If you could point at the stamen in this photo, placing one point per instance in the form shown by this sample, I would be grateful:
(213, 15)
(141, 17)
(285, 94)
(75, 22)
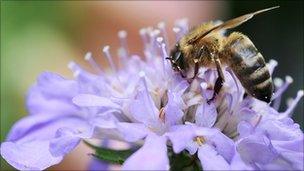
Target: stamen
(282, 88)
(177, 32)
(153, 43)
(106, 51)
(75, 68)
(271, 65)
(278, 82)
(204, 87)
(164, 54)
(183, 25)
(88, 57)
(162, 115)
(293, 104)
(142, 76)
(200, 140)
(122, 35)
(159, 39)
(143, 35)
(162, 27)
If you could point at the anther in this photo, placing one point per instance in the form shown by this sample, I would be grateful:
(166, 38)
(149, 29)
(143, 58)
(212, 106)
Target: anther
(200, 140)
(271, 65)
(106, 51)
(159, 39)
(123, 50)
(88, 57)
(293, 104)
(122, 35)
(283, 87)
(74, 68)
(143, 35)
(278, 82)
(177, 32)
(183, 24)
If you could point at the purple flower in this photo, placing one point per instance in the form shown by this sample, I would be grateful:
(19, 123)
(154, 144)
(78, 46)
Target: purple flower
(151, 106)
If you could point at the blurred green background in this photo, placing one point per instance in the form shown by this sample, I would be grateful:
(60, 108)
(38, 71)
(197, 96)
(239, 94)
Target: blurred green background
(39, 36)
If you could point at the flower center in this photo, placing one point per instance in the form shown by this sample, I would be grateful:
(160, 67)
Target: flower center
(162, 114)
(200, 140)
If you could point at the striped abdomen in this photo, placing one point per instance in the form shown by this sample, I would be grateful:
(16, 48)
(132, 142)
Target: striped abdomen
(249, 66)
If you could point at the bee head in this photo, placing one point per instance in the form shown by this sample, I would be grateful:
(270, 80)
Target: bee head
(177, 59)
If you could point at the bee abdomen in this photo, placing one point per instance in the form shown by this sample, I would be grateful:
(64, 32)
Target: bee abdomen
(249, 66)
(254, 73)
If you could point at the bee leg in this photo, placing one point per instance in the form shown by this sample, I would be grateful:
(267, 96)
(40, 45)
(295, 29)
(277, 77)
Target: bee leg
(219, 81)
(196, 67)
(181, 72)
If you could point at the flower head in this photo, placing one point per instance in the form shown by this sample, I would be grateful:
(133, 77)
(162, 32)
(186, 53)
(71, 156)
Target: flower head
(152, 106)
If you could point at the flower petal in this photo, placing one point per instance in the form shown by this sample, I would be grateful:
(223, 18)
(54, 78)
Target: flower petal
(278, 130)
(28, 144)
(34, 155)
(238, 164)
(173, 112)
(29, 124)
(223, 145)
(39, 103)
(206, 115)
(181, 136)
(48, 82)
(42, 98)
(89, 100)
(65, 141)
(211, 160)
(256, 149)
(244, 128)
(151, 156)
(96, 164)
(143, 109)
(132, 131)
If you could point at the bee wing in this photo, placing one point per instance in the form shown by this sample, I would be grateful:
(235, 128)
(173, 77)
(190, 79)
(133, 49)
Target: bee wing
(231, 23)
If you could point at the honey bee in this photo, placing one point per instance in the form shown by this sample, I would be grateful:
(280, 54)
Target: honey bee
(206, 46)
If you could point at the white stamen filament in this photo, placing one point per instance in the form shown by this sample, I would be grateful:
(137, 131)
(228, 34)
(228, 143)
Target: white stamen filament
(177, 32)
(281, 86)
(278, 82)
(162, 27)
(164, 54)
(153, 43)
(142, 76)
(293, 104)
(74, 68)
(122, 35)
(204, 87)
(106, 51)
(282, 89)
(88, 57)
(183, 25)
(271, 65)
(143, 35)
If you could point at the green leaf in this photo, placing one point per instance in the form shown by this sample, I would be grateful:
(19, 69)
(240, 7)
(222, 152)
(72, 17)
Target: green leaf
(183, 161)
(110, 155)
